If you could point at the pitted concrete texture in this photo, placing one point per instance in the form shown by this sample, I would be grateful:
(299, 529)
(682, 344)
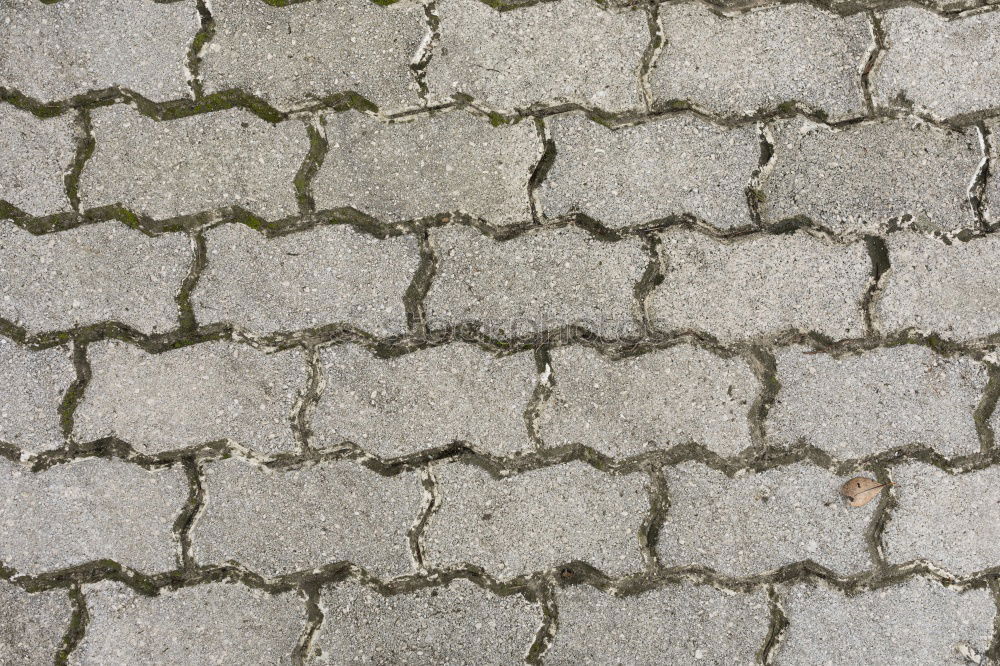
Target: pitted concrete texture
(947, 519)
(573, 52)
(761, 522)
(34, 385)
(230, 624)
(757, 61)
(773, 284)
(91, 275)
(80, 47)
(278, 522)
(940, 287)
(90, 510)
(32, 624)
(870, 403)
(571, 512)
(678, 166)
(677, 624)
(936, 65)
(459, 623)
(499, 332)
(536, 282)
(311, 279)
(191, 396)
(178, 167)
(919, 621)
(654, 401)
(431, 397)
(452, 162)
(303, 54)
(38, 152)
(867, 175)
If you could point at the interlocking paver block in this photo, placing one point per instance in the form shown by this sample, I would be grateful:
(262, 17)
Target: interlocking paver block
(205, 162)
(761, 522)
(281, 521)
(212, 623)
(33, 386)
(653, 401)
(192, 395)
(760, 286)
(855, 406)
(32, 625)
(91, 274)
(57, 50)
(755, 62)
(944, 67)
(537, 520)
(460, 623)
(444, 163)
(862, 176)
(675, 624)
(323, 276)
(37, 154)
(424, 399)
(300, 54)
(676, 166)
(86, 510)
(919, 621)
(535, 281)
(948, 519)
(947, 289)
(572, 51)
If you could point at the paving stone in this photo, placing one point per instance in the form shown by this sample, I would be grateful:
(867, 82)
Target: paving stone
(444, 163)
(423, 399)
(32, 625)
(206, 162)
(458, 623)
(761, 522)
(862, 405)
(918, 621)
(860, 177)
(572, 51)
(936, 288)
(676, 624)
(760, 286)
(91, 274)
(53, 51)
(193, 395)
(535, 281)
(670, 167)
(280, 522)
(945, 518)
(33, 386)
(936, 65)
(296, 55)
(537, 520)
(757, 61)
(653, 401)
(323, 276)
(213, 623)
(38, 153)
(87, 510)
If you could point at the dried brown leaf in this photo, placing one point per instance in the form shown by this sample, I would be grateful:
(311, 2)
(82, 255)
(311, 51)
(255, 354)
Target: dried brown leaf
(860, 490)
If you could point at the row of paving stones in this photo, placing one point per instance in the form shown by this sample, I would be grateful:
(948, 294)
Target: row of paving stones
(280, 521)
(573, 51)
(463, 623)
(751, 288)
(856, 178)
(849, 405)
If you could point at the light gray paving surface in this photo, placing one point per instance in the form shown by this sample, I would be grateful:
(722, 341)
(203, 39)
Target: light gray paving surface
(754, 62)
(464, 332)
